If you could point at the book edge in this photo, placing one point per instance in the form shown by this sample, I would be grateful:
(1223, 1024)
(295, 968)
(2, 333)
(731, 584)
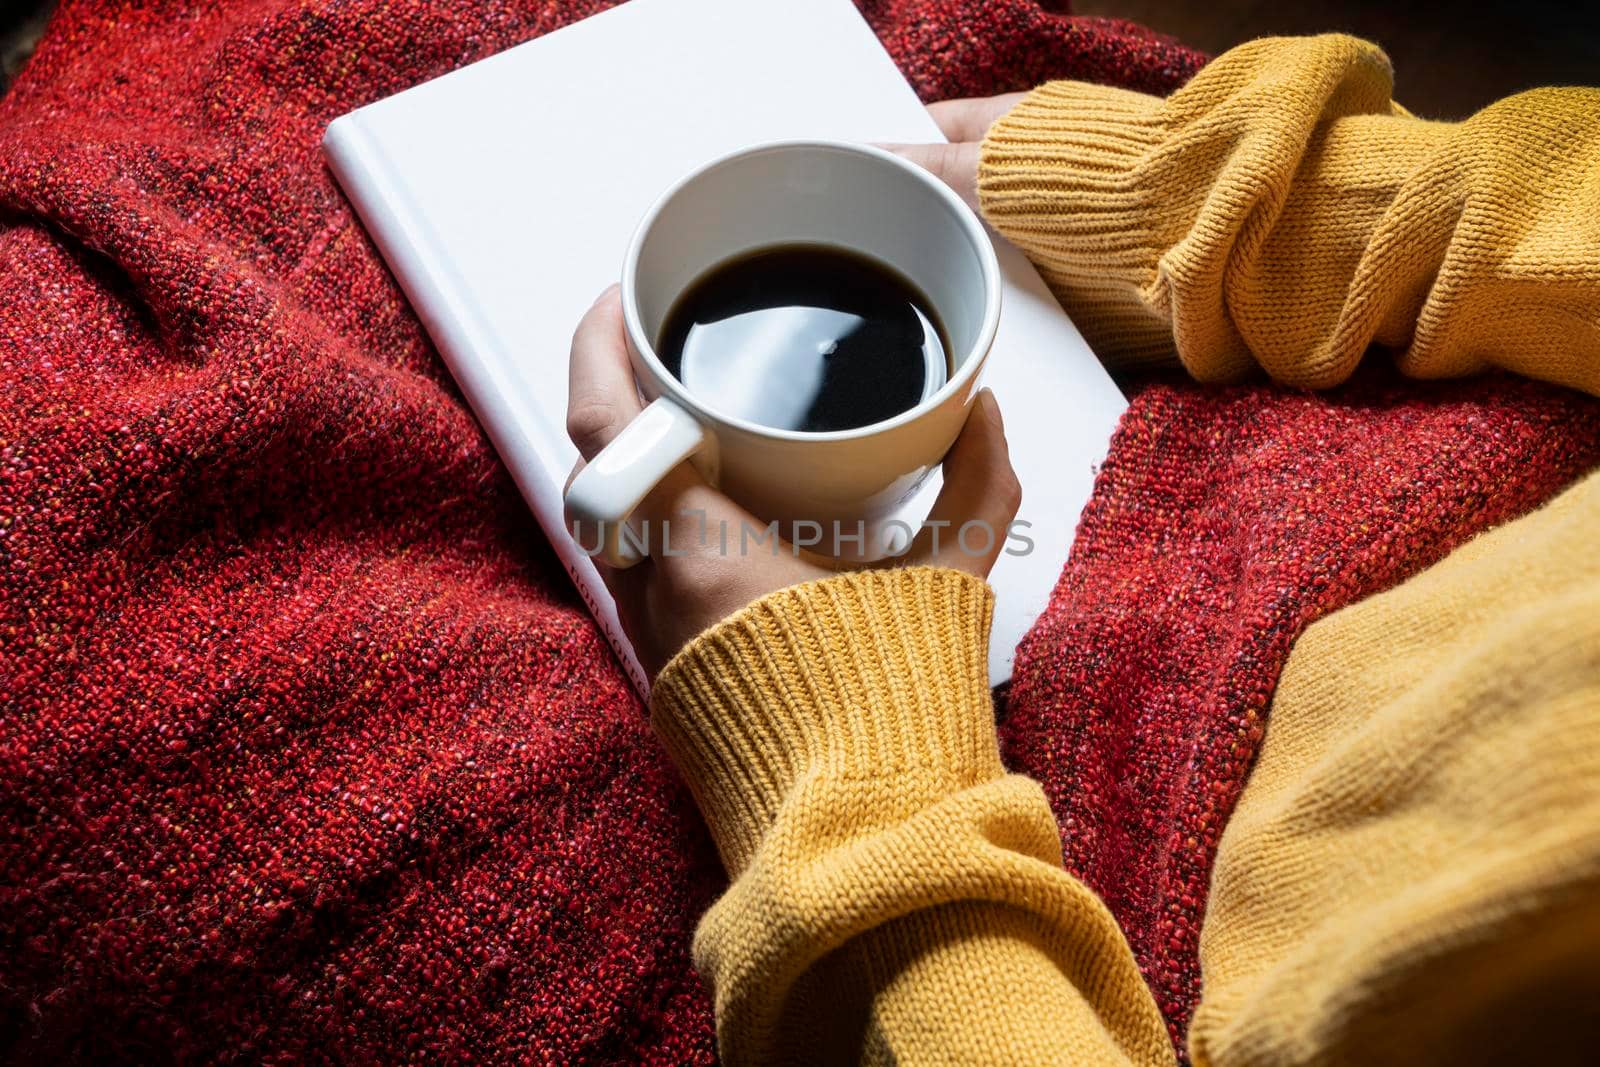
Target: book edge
(416, 261)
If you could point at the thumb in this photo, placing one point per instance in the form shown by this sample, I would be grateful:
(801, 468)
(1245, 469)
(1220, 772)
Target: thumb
(967, 528)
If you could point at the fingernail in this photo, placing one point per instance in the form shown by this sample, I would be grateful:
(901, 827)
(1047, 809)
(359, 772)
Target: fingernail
(987, 398)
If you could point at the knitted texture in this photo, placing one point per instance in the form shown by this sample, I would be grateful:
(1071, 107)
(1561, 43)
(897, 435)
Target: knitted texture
(307, 748)
(1225, 521)
(912, 643)
(1413, 873)
(1281, 211)
(898, 898)
(1278, 212)
(1412, 868)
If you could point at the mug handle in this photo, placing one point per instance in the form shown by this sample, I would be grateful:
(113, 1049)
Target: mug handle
(611, 486)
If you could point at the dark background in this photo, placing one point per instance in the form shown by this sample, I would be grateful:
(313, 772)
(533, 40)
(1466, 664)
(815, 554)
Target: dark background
(20, 23)
(1450, 59)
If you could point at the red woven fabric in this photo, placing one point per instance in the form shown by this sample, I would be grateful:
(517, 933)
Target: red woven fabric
(307, 748)
(1223, 523)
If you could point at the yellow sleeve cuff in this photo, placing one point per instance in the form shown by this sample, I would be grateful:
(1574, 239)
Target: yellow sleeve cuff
(1060, 178)
(860, 675)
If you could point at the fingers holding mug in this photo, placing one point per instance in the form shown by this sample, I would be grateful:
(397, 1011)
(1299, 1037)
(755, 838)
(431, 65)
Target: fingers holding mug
(601, 397)
(604, 411)
(753, 411)
(970, 520)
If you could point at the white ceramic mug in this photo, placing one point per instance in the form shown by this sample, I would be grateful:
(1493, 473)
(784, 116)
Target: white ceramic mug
(825, 193)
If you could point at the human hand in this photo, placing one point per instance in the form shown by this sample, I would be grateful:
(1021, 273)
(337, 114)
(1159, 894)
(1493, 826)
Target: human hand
(689, 580)
(964, 124)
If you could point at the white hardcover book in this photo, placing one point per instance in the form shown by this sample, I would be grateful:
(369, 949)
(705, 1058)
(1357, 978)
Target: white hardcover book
(502, 196)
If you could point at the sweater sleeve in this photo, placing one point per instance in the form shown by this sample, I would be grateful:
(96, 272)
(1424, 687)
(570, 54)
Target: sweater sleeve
(897, 897)
(1282, 211)
(1412, 874)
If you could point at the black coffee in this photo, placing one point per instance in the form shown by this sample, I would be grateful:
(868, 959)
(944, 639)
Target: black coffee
(804, 337)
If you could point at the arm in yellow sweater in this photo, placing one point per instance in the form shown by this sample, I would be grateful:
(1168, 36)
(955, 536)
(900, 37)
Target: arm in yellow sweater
(1281, 210)
(1412, 874)
(1412, 870)
(897, 897)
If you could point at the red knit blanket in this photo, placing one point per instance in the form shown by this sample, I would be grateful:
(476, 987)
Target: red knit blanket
(308, 749)
(1223, 523)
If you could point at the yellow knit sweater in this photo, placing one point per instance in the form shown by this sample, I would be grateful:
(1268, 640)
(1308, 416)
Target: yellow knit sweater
(1280, 209)
(1413, 871)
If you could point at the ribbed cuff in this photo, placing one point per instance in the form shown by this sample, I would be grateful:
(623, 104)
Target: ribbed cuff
(1061, 179)
(855, 676)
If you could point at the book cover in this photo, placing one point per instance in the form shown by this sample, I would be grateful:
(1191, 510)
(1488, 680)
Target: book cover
(502, 196)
